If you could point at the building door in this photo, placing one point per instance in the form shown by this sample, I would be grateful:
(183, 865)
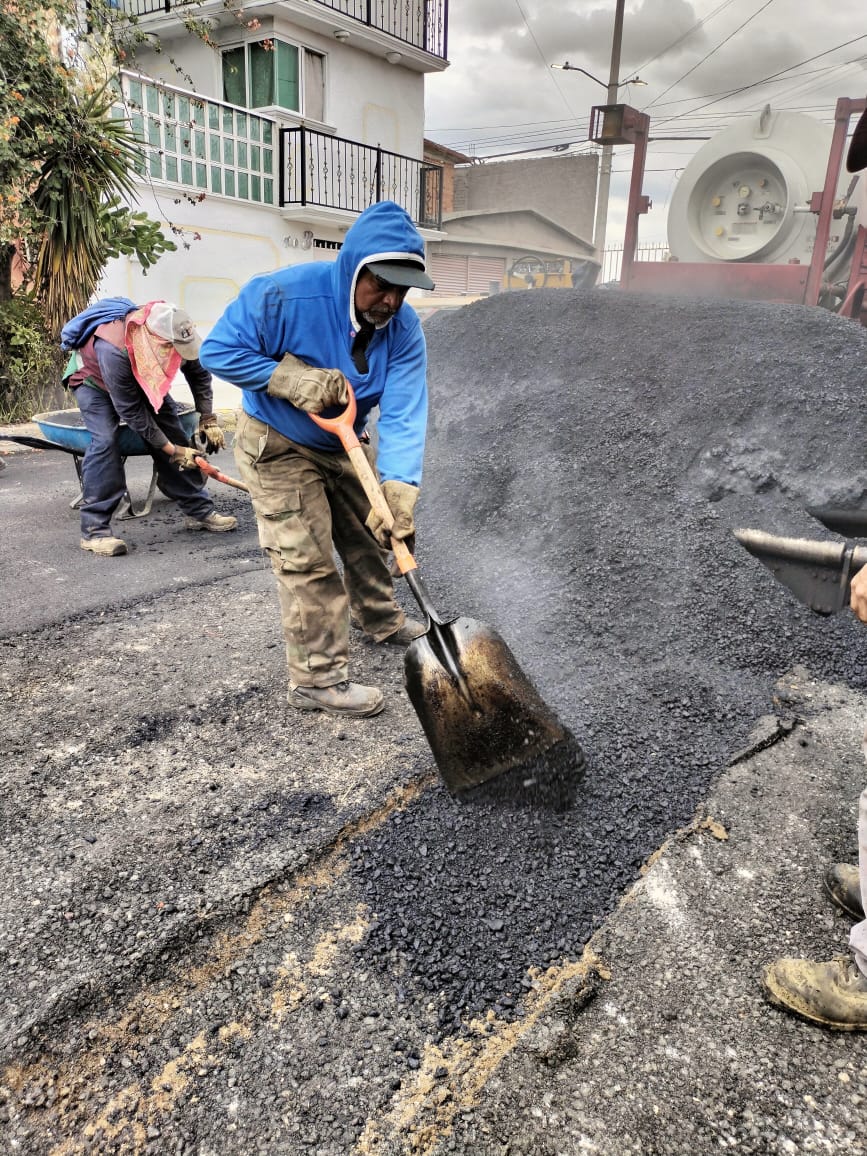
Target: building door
(483, 271)
(449, 275)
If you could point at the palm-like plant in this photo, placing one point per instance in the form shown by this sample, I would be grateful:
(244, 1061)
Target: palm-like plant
(92, 158)
(67, 165)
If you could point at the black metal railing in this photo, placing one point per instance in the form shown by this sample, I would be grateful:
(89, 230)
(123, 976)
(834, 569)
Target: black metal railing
(330, 172)
(422, 24)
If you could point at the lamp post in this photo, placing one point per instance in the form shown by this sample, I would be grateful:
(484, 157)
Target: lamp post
(604, 186)
(567, 67)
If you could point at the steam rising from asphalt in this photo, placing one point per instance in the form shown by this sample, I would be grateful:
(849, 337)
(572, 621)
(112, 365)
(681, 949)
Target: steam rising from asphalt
(590, 453)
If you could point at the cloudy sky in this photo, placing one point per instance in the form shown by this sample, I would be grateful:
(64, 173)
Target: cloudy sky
(707, 63)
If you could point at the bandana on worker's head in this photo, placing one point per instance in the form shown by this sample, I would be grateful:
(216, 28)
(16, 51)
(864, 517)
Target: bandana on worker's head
(159, 336)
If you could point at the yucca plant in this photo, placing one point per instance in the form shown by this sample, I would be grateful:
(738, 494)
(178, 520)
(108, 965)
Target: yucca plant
(67, 165)
(91, 160)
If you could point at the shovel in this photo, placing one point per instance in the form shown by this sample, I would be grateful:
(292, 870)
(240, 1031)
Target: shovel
(841, 520)
(817, 573)
(218, 476)
(480, 713)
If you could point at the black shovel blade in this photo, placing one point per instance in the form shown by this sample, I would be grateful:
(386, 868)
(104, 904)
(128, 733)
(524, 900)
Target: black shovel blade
(817, 573)
(480, 713)
(852, 523)
(37, 443)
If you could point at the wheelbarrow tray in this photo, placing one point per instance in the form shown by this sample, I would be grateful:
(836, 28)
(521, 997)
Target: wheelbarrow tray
(66, 428)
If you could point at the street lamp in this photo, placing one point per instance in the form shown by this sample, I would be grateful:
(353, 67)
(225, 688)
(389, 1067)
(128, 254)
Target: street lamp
(607, 150)
(567, 67)
(604, 185)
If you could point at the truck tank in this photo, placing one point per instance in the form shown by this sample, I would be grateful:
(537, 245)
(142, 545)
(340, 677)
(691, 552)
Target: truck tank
(744, 196)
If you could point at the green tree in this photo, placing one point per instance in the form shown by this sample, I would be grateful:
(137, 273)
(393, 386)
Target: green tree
(66, 164)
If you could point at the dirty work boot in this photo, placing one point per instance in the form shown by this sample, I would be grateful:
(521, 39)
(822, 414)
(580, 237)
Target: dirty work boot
(347, 698)
(832, 994)
(108, 547)
(404, 635)
(216, 523)
(843, 885)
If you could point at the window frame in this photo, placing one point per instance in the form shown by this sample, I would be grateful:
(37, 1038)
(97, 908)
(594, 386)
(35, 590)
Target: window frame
(246, 47)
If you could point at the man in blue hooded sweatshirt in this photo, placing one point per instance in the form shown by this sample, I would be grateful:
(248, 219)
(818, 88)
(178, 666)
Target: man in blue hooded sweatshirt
(290, 340)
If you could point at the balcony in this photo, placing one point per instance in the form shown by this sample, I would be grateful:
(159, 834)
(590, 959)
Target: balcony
(205, 146)
(333, 173)
(422, 24)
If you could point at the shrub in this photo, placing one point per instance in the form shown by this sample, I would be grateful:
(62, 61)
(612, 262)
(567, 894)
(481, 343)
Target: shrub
(31, 362)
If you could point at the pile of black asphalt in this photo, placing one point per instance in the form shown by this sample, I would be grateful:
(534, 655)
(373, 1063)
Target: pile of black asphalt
(229, 927)
(590, 454)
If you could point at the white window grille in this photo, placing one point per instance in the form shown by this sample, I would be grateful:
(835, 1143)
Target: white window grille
(204, 145)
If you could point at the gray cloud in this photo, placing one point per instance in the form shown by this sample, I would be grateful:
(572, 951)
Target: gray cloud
(702, 70)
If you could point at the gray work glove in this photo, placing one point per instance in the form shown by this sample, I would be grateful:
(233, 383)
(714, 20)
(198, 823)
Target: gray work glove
(305, 387)
(401, 498)
(211, 432)
(184, 458)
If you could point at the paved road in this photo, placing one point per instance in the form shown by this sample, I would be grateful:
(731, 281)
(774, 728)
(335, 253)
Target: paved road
(192, 935)
(46, 577)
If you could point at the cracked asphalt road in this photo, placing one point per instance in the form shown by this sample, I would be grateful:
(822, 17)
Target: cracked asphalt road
(228, 929)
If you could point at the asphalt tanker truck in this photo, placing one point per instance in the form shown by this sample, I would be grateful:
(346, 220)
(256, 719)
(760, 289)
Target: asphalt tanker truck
(765, 210)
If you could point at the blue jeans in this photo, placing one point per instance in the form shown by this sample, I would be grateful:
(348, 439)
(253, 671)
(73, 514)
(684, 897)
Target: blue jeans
(103, 479)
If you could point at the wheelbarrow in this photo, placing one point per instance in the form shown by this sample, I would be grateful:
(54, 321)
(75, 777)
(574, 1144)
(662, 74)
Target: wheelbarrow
(64, 430)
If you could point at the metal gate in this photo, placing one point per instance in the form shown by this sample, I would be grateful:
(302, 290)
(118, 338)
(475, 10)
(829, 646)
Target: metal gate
(460, 276)
(449, 275)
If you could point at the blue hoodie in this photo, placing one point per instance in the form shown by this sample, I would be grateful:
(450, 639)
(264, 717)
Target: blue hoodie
(308, 310)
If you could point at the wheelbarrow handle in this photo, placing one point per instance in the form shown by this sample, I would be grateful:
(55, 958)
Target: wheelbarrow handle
(343, 427)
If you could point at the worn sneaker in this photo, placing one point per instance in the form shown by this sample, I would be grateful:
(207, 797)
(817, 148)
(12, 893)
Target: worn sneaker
(216, 523)
(405, 634)
(843, 885)
(832, 994)
(347, 698)
(107, 547)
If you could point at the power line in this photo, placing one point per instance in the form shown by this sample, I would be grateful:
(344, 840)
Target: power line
(707, 122)
(768, 79)
(686, 35)
(708, 55)
(543, 58)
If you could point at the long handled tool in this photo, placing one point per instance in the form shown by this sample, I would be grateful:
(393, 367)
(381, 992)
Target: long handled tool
(817, 573)
(480, 713)
(39, 443)
(841, 520)
(212, 472)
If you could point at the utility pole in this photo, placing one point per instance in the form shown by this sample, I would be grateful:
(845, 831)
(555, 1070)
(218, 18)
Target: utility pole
(604, 184)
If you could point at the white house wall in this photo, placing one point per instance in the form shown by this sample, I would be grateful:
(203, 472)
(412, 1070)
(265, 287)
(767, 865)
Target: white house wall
(227, 242)
(223, 242)
(366, 98)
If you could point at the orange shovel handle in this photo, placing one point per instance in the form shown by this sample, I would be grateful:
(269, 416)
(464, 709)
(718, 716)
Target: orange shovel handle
(342, 427)
(212, 472)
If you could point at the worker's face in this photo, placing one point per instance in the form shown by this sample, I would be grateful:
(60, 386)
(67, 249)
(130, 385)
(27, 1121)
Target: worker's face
(376, 300)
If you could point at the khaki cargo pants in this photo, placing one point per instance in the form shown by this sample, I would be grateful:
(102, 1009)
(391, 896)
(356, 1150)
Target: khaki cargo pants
(309, 504)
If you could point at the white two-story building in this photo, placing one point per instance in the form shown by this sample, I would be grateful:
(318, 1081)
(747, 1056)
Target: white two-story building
(264, 145)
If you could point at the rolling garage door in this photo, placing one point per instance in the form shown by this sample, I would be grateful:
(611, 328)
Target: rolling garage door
(449, 275)
(481, 271)
(454, 276)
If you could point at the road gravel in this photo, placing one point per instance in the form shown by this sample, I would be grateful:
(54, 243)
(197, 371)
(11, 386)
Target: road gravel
(231, 928)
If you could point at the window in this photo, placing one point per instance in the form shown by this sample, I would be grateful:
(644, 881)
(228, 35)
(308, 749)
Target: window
(263, 74)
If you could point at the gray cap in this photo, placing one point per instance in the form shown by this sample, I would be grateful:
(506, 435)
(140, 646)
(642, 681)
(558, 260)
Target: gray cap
(403, 273)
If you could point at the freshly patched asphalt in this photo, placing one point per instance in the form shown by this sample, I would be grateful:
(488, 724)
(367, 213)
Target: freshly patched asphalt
(232, 928)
